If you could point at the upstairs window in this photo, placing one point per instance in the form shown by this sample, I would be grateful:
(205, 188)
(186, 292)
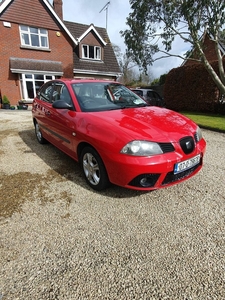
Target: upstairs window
(34, 37)
(91, 52)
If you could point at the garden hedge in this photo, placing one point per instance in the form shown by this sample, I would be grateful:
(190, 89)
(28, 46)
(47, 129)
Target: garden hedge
(190, 88)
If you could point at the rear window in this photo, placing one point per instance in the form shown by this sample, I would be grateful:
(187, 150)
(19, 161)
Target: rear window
(138, 92)
(150, 94)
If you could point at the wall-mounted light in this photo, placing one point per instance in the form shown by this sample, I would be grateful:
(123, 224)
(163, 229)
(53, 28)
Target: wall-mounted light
(58, 33)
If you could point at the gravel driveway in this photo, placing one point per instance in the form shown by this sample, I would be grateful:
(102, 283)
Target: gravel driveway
(61, 240)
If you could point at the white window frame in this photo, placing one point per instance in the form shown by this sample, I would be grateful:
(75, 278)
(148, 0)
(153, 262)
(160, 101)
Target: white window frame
(33, 81)
(26, 36)
(96, 50)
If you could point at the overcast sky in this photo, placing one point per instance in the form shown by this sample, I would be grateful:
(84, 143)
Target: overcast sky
(88, 12)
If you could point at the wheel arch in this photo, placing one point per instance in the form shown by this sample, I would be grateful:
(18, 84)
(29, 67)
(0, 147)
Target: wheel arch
(80, 148)
(93, 166)
(34, 121)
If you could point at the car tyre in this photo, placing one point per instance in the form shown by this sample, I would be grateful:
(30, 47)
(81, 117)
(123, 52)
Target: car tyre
(38, 134)
(94, 170)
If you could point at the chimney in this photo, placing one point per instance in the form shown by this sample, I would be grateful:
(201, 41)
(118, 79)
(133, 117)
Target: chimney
(58, 7)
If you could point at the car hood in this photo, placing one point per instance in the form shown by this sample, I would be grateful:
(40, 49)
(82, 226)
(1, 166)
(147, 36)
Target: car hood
(149, 123)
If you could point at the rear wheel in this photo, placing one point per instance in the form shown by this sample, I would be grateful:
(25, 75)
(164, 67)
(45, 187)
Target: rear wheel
(38, 134)
(94, 169)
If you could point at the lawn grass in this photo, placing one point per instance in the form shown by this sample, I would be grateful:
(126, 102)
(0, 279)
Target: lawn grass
(208, 121)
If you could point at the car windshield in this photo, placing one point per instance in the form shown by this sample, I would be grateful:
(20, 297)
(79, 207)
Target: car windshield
(103, 96)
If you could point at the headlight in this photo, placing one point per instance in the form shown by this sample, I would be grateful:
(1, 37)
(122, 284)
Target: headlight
(141, 148)
(198, 134)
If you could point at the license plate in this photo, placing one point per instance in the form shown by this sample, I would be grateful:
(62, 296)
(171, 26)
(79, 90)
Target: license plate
(187, 164)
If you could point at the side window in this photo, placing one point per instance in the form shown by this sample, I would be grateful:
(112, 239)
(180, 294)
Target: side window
(46, 92)
(61, 92)
(150, 94)
(65, 95)
(139, 93)
(56, 91)
(157, 96)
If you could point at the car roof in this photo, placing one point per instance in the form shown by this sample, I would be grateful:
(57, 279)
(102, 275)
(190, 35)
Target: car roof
(74, 80)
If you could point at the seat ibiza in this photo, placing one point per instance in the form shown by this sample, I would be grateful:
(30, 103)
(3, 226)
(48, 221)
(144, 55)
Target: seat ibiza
(116, 136)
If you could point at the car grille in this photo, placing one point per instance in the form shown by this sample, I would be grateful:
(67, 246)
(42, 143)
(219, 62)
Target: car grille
(196, 137)
(187, 144)
(166, 147)
(171, 177)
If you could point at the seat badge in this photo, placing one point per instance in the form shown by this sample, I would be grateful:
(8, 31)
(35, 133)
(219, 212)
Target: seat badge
(188, 145)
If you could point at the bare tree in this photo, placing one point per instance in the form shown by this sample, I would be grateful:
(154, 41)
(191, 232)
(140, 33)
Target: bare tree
(126, 64)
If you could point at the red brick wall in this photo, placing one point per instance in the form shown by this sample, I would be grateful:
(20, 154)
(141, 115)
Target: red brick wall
(61, 48)
(209, 50)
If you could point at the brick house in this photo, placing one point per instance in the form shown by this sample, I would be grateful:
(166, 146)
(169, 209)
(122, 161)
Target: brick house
(94, 42)
(33, 51)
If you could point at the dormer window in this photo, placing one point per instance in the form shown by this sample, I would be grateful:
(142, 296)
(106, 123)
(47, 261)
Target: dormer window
(91, 52)
(34, 37)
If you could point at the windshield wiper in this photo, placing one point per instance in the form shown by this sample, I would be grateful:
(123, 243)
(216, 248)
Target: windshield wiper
(129, 105)
(123, 105)
(142, 104)
(119, 107)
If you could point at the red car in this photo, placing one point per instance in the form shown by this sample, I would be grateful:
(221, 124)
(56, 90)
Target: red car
(116, 136)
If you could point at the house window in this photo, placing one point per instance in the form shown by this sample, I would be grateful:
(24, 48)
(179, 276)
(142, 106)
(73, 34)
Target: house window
(31, 83)
(91, 52)
(34, 37)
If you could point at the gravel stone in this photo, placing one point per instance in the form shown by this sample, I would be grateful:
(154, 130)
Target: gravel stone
(61, 240)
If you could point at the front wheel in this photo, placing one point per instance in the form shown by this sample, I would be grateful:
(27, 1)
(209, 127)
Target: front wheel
(94, 169)
(38, 134)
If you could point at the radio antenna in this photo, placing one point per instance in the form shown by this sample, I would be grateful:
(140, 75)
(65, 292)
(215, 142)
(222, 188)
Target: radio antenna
(106, 11)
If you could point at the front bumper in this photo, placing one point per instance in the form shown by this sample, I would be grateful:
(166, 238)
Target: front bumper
(150, 173)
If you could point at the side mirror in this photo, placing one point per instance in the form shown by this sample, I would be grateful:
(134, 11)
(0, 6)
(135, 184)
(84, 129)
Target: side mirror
(61, 104)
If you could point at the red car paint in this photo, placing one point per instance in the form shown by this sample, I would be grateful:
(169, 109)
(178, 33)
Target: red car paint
(109, 130)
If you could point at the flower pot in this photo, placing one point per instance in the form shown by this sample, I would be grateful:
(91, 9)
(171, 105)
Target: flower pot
(5, 106)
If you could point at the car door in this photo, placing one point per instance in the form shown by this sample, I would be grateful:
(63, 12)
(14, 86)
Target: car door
(62, 122)
(42, 108)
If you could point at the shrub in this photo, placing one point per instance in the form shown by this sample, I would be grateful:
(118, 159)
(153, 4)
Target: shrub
(5, 100)
(191, 88)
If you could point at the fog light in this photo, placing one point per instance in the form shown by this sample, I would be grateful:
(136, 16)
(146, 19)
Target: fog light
(145, 180)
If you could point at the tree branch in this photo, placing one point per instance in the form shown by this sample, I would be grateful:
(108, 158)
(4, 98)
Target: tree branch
(174, 55)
